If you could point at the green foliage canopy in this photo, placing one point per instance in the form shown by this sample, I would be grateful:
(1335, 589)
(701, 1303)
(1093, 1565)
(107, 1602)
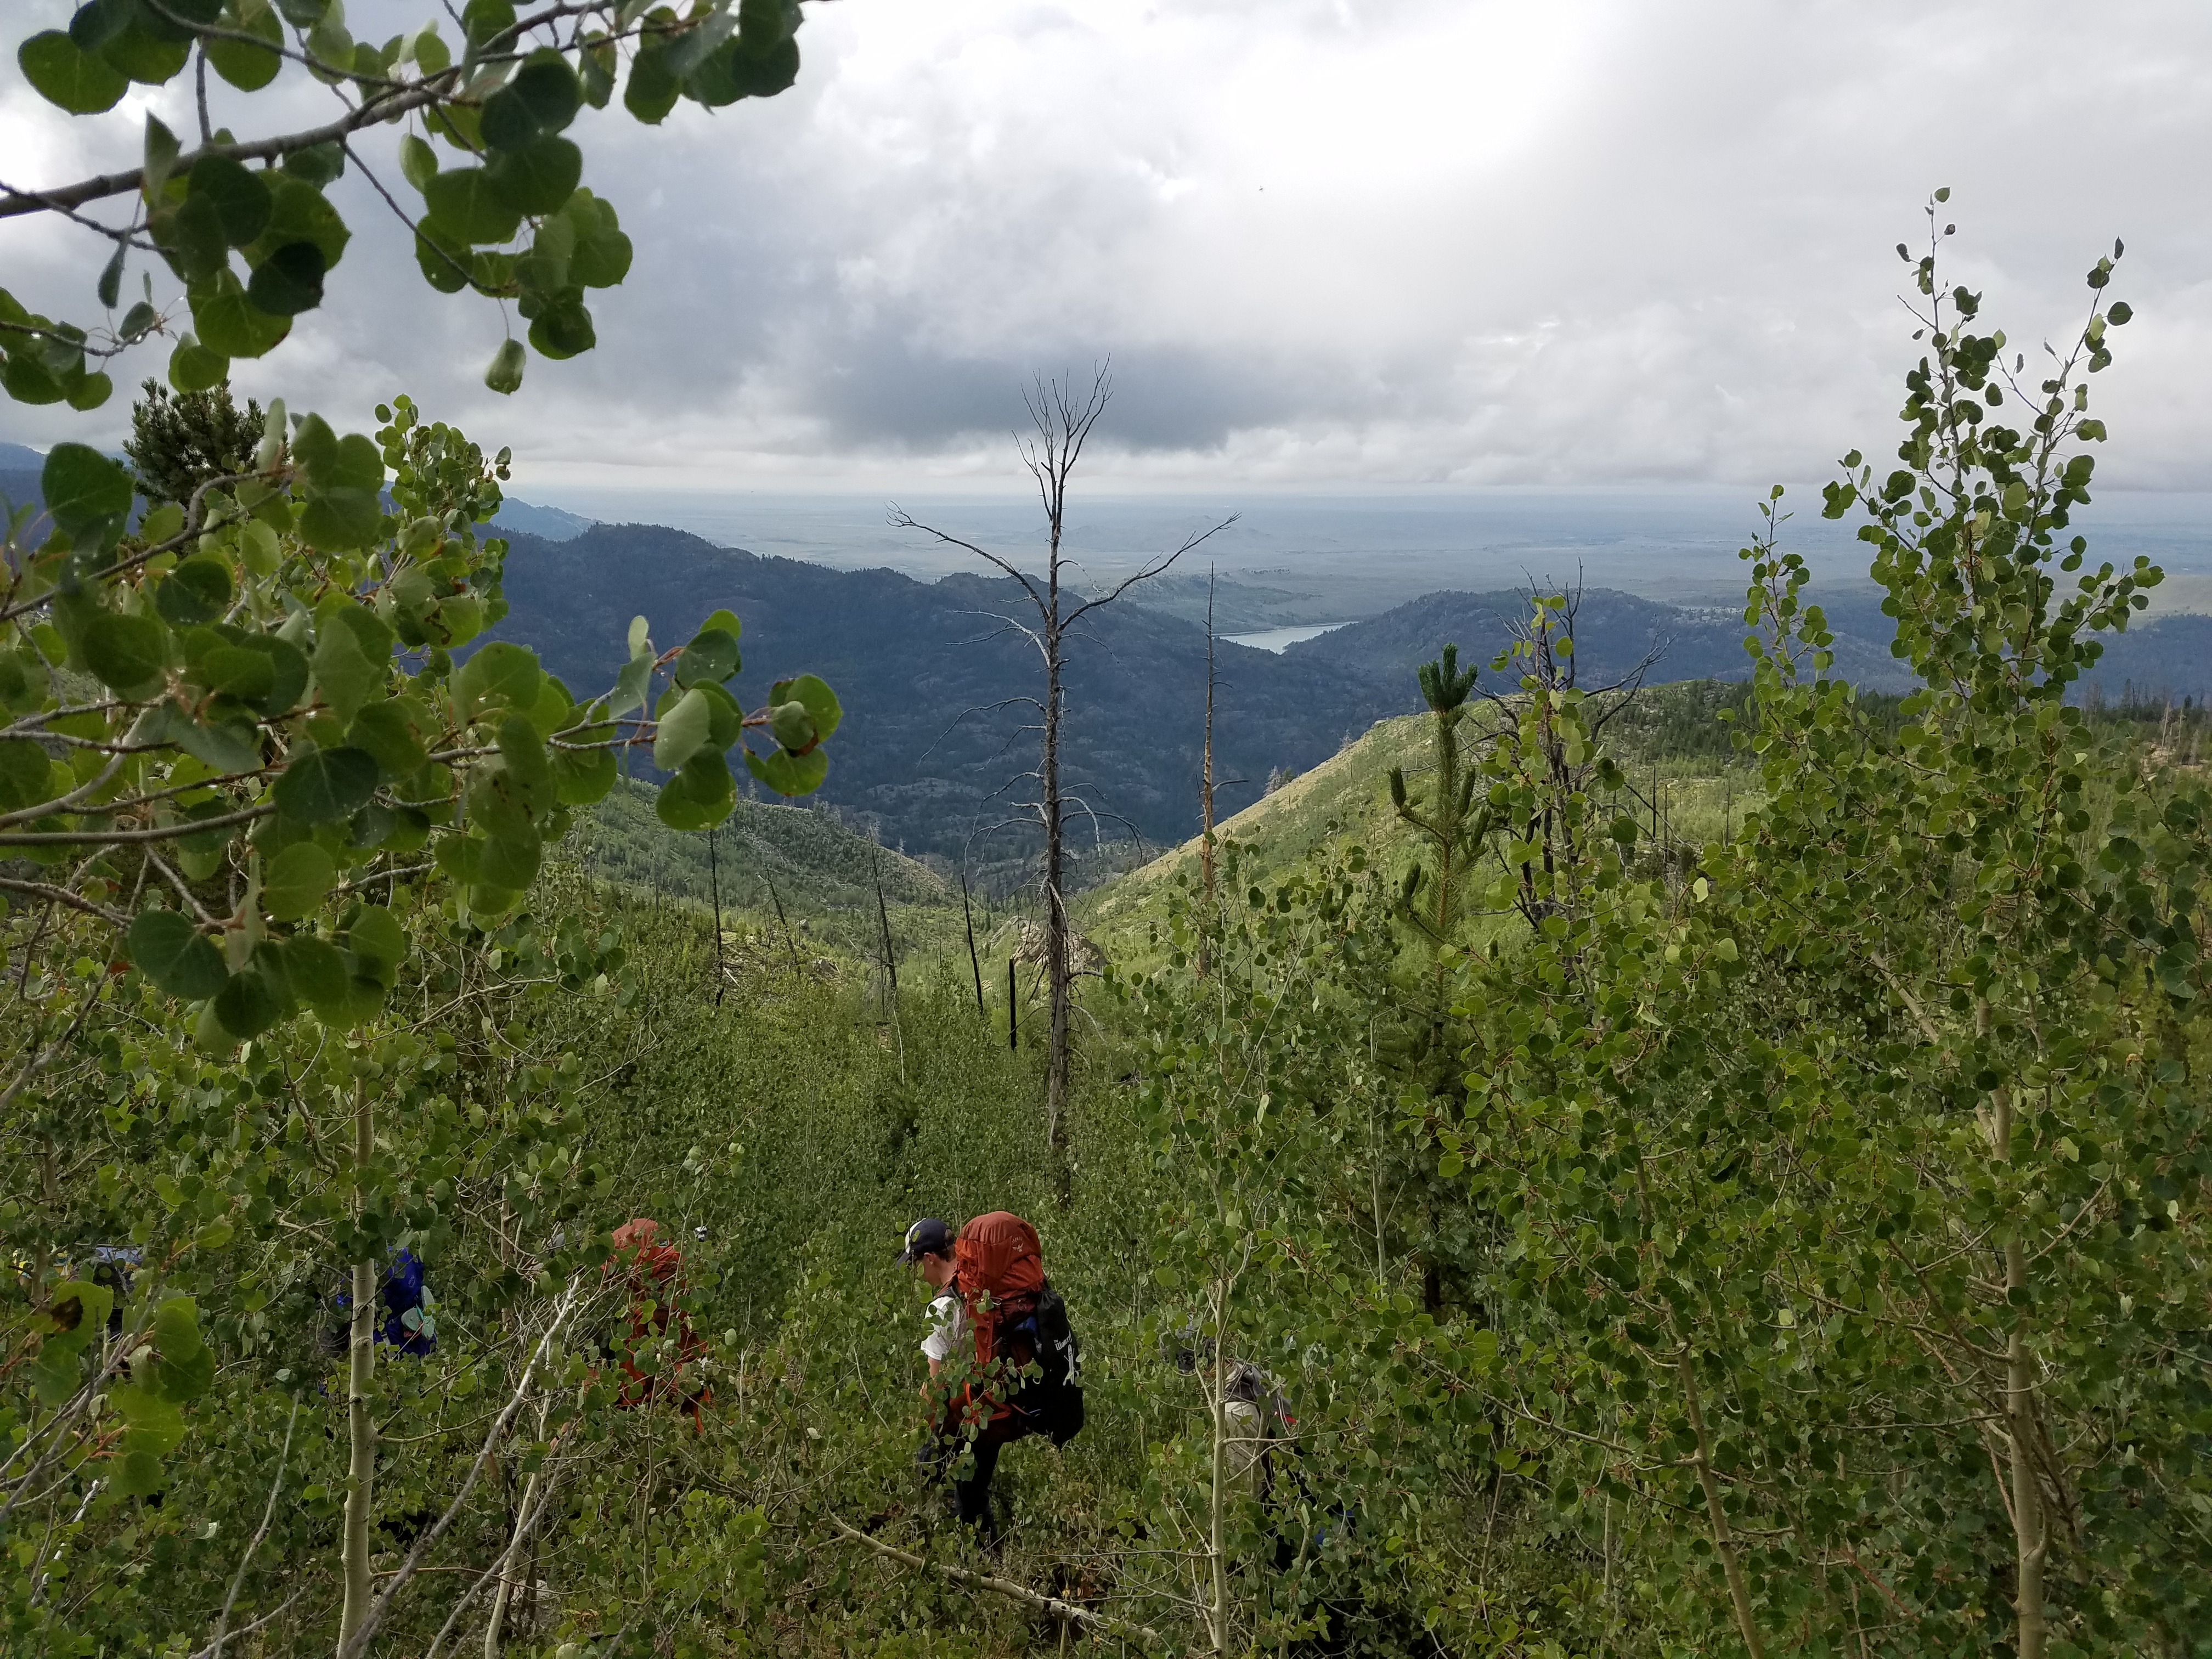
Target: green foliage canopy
(244, 227)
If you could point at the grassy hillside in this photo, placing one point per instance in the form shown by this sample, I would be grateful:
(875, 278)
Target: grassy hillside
(1670, 741)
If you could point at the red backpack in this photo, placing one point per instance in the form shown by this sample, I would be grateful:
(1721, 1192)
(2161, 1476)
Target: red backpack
(999, 1268)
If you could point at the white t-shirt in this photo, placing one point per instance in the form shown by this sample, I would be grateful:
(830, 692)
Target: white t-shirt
(948, 1319)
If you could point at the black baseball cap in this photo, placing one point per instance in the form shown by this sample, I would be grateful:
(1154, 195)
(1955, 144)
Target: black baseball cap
(928, 1236)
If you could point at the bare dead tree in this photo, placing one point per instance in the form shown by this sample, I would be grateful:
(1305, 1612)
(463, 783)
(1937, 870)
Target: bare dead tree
(1062, 419)
(1206, 784)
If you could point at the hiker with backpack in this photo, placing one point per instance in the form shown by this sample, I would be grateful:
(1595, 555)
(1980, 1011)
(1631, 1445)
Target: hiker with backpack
(1000, 1340)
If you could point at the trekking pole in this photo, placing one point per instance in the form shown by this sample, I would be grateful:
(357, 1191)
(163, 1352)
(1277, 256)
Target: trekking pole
(1013, 1012)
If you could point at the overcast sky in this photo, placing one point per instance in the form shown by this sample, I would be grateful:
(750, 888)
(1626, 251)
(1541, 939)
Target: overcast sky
(1327, 243)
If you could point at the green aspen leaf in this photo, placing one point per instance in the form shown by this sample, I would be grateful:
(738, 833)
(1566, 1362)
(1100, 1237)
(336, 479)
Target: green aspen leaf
(457, 619)
(498, 673)
(161, 151)
(229, 323)
(88, 495)
(288, 679)
(541, 100)
(727, 721)
(466, 206)
(94, 390)
(163, 523)
(375, 938)
(459, 857)
(314, 166)
(175, 955)
(248, 1004)
(682, 731)
(596, 65)
(248, 67)
(193, 367)
(742, 69)
(227, 746)
(821, 703)
(344, 477)
(387, 730)
(712, 656)
(326, 784)
(631, 684)
(552, 709)
(241, 202)
(76, 1312)
(155, 1425)
(344, 676)
(601, 256)
(653, 88)
(111, 277)
(143, 55)
(457, 125)
(190, 235)
(139, 1474)
(236, 671)
(197, 590)
(505, 374)
(788, 773)
(482, 18)
(763, 23)
(69, 77)
(186, 1367)
(316, 970)
(370, 631)
(699, 796)
(300, 212)
(543, 272)
(127, 653)
(792, 727)
(445, 263)
(510, 863)
(289, 282)
(727, 620)
(418, 162)
(524, 750)
(563, 329)
(584, 776)
(296, 880)
(506, 800)
(24, 770)
(431, 52)
(539, 178)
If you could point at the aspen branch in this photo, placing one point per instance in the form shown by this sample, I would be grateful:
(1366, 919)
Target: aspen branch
(1007, 1587)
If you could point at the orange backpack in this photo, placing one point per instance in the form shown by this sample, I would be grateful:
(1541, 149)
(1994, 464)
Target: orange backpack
(999, 1268)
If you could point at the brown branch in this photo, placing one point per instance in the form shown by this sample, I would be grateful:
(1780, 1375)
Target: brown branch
(1007, 1587)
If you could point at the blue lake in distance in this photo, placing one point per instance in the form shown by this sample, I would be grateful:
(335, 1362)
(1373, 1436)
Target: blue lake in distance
(1277, 640)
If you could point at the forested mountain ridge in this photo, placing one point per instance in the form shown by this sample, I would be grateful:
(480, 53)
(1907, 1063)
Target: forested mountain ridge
(1614, 631)
(931, 679)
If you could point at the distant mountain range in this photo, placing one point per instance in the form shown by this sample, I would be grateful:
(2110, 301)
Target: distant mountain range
(933, 682)
(933, 744)
(1615, 633)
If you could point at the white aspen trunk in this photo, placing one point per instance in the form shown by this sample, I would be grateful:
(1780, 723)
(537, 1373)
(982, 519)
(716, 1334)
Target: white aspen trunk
(361, 1425)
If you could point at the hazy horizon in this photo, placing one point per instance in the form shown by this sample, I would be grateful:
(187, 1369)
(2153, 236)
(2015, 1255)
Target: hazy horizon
(1335, 556)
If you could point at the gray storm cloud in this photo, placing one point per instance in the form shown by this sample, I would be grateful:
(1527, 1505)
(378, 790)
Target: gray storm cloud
(1420, 240)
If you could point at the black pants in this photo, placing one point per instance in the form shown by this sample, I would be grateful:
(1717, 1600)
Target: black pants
(972, 1493)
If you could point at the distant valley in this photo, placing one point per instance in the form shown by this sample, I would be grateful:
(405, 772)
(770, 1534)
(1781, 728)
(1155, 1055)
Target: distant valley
(934, 745)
